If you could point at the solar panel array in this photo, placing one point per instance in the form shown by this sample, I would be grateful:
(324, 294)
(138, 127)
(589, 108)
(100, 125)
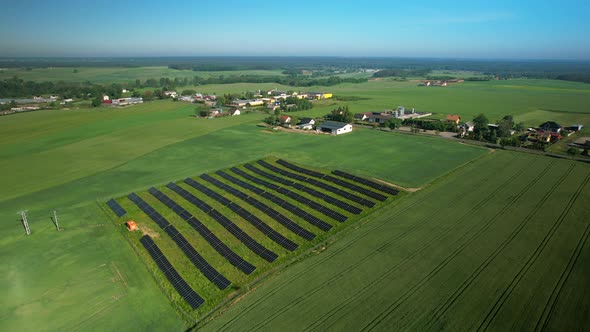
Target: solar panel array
(280, 218)
(314, 182)
(368, 183)
(187, 293)
(213, 240)
(236, 231)
(334, 180)
(312, 204)
(252, 219)
(119, 211)
(312, 192)
(276, 200)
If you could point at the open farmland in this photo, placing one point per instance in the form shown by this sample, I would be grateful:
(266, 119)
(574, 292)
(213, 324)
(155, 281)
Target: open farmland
(500, 244)
(87, 276)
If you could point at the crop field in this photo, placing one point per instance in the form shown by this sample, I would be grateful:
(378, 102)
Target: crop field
(500, 244)
(282, 213)
(116, 74)
(87, 277)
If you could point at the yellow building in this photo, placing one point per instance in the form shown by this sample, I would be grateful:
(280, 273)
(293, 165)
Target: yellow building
(327, 96)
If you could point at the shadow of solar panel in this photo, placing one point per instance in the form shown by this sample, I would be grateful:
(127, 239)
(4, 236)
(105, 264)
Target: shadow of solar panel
(368, 183)
(117, 209)
(213, 240)
(185, 291)
(236, 231)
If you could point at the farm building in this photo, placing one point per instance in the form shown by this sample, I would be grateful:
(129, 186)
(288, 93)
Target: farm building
(453, 118)
(575, 127)
(318, 95)
(234, 112)
(284, 119)
(131, 225)
(306, 123)
(550, 126)
(335, 128)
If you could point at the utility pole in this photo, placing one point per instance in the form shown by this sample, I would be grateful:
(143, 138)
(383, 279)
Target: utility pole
(23, 215)
(55, 219)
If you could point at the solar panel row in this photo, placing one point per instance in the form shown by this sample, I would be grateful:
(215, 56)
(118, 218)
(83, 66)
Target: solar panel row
(119, 211)
(312, 192)
(275, 199)
(312, 204)
(236, 231)
(187, 293)
(215, 242)
(280, 218)
(252, 219)
(372, 184)
(314, 182)
(334, 180)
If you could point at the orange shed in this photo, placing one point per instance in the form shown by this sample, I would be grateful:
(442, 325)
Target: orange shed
(131, 225)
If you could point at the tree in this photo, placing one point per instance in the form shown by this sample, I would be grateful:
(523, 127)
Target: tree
(341, 114)
(481, 126)
(573, 151)
(505, 126)
(96, 102)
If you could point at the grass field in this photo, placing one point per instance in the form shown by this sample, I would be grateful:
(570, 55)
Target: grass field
(500, 244)
(72, 276)
(451, 249)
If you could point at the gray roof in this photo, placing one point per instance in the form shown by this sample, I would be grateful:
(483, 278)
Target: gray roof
(332, 125)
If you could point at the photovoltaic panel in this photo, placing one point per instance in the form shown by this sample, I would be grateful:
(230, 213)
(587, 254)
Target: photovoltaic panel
(288, 223)
(314, 182)
(368, 183)
(312, 204)
(279, 201)
(213, 240)
(334, 180)
(312, 192)
(236, 231)
(147, 209)
(185, 291)
(117, 209)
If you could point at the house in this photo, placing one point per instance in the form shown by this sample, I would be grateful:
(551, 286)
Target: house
(214, 112)
(234, 112)
(239, 102)
(272, 107)
(105, 97)
(335, 128)
(124, 91)
(544, 136)
(284, 119)
(466, 128)
(172, 94)
(306, 123)
(362, 116)
(379, 117)
(550, 126)
(125, 101)
(453, 118)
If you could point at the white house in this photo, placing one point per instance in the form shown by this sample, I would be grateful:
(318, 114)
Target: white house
(306, 123)
(335, 128)
(170, 94)
(234, 112)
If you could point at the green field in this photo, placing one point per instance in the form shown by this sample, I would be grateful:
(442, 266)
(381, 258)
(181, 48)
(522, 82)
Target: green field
(497, 233)
(67, 160)
(500, 244)
(116, 74)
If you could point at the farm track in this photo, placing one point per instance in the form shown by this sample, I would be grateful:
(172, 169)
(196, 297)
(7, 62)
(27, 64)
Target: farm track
(524, 269)
(392, 307)
(319, 262)
(442, 309)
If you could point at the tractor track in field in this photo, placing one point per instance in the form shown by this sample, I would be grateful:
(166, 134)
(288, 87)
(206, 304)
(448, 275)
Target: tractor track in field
(328, 256)
(392, 307)
(556, 293)
(388, 244)
(531, 260)
(442, 309)
(407, 259)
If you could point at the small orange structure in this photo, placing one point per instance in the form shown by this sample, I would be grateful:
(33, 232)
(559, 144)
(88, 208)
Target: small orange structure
(131, 225)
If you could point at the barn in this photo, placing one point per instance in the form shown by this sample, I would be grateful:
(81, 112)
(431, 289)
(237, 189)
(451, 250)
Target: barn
(335, 128)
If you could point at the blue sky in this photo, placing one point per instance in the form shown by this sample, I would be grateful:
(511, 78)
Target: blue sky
(521, 29)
